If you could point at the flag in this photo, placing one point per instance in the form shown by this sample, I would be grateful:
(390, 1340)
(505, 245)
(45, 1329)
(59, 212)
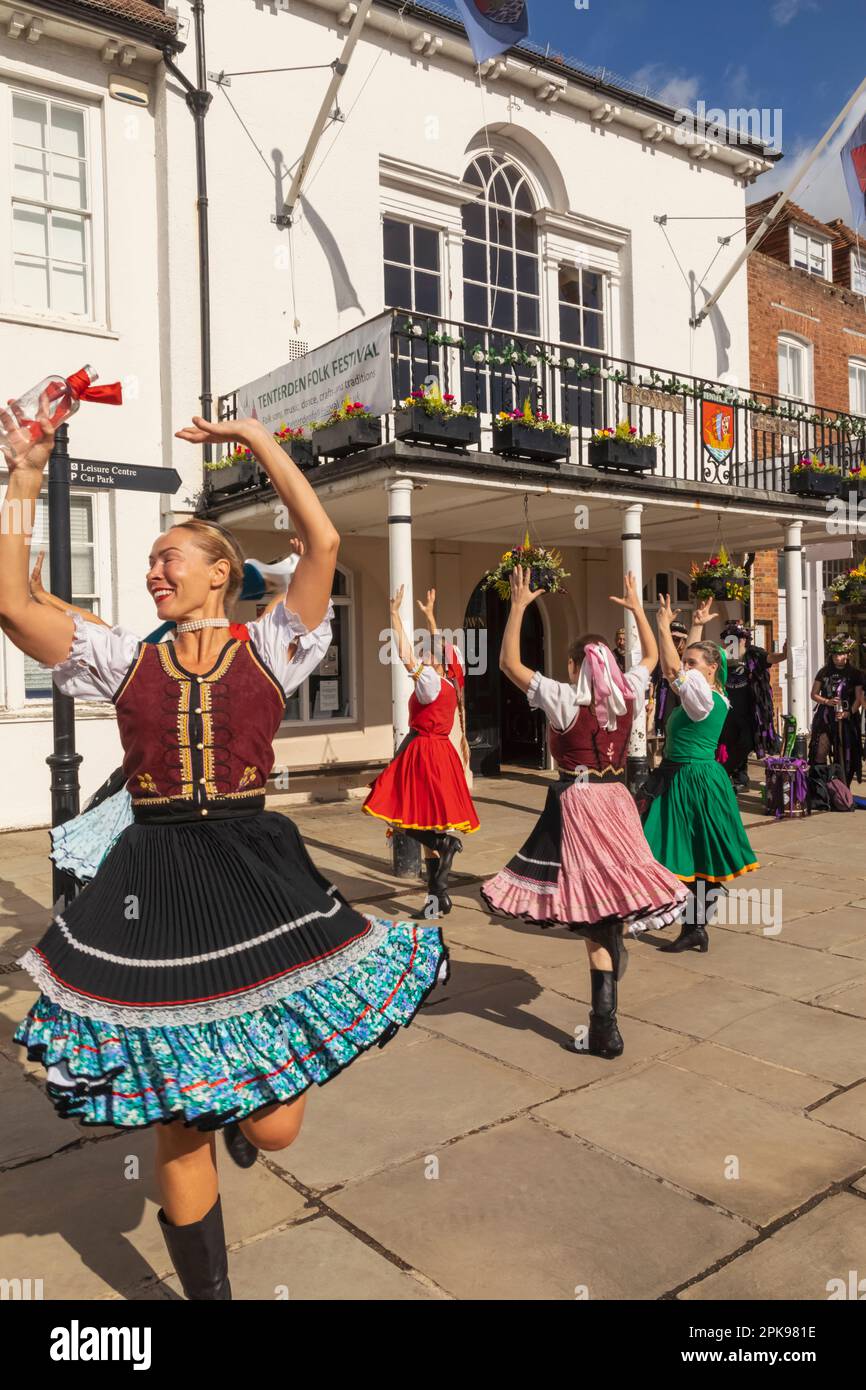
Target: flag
(854, 169)
(493, 25)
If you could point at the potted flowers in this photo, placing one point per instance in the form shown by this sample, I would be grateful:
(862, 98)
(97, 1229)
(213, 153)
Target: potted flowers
(719, 578)
(623, 448)
(856, 481)
(811, 477)
(545, 569)
(234, 472)
(523, 434)
(349, 428)
(293, 443)
(429, 417)
(850, 587)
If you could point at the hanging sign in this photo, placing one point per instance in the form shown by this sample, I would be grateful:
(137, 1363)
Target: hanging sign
(656, 400)
(357, 365)
(717, 420)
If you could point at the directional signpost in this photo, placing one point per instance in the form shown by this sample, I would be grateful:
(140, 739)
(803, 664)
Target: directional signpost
(64, 472)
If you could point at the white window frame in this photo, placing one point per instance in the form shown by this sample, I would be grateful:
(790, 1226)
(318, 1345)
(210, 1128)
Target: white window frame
(857, 368)
(858, 271)
(14, 702)
(686, 606)
(804, 347)
(306, 721)
(93, 110)
(812, 241)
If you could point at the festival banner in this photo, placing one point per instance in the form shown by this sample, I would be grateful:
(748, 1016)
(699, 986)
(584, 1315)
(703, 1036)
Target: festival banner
(718, 428)
(492, 26)
(357, 365)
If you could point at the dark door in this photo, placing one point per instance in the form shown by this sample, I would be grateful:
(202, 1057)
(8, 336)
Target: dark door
(500, 726)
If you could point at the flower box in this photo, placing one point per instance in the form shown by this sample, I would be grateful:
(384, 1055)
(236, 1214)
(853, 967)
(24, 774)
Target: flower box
(816, 482)
(235, 477)
(856, 486)
(513, 439)
(300, 451)
(451, 431)
(615, 454)
(349, 436)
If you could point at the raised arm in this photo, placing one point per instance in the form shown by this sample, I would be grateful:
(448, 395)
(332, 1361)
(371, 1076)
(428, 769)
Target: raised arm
(701, 616)
(776, 658)
(404, 646)
(671, 663)
(429, 611)
(509, 656)
(37, 629)
(631, 601)
(312, 580)
(43, 595)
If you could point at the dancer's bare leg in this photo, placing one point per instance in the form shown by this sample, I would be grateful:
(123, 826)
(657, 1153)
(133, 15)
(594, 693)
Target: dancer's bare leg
(277, 1126)
(186, 1172)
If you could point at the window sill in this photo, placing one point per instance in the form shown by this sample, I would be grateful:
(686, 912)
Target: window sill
(40, 712)
(92, 330)
(343, 721)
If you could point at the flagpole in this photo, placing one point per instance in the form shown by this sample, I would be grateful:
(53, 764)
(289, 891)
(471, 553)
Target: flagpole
(770, 217)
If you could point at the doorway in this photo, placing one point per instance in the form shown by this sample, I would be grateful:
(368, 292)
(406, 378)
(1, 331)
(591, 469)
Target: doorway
(500, 726)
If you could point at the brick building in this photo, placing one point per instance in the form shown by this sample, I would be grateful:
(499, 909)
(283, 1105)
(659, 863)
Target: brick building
(807, 342)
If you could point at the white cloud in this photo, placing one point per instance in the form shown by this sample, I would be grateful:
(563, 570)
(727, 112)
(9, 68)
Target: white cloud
(784, 11)
(676, 89)
(823, 191)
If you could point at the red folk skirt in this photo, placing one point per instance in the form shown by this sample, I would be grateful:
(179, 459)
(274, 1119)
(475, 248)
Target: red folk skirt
(424, 788)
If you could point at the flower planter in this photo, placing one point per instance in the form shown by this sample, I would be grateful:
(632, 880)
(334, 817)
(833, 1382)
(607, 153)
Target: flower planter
(716, 588)
(855, 485)
(813, 482)
(452, 432)
(236, 477)
(300, 451)
(512, 439)
(615, 455)
(347, 437)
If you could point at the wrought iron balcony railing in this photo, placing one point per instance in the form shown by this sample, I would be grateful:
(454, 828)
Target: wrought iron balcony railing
(709, 431)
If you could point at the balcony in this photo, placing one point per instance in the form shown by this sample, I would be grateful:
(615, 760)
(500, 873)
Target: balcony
(589, 391)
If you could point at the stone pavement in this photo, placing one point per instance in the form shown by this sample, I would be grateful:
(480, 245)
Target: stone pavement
(478, 1155)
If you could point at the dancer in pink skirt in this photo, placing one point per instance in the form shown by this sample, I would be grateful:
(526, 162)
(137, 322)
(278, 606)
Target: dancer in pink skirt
(587, 865)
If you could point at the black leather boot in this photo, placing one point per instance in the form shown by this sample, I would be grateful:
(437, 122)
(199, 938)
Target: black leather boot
(605, 1039)
(691, 938)
(446, 847)
(198, 1253)
(431, 903)
(240, 1150)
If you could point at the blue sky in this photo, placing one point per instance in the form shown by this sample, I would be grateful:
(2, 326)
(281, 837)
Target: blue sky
(804, 57)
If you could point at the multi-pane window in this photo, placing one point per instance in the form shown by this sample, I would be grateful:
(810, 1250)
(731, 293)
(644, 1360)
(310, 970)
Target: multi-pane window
(810, 253)
(793, 365)
(858, 272)
(857, 386)
(413, 280)
(501, 287)
(37, 679)
(50, 207)
(581, 325)
(327, 693)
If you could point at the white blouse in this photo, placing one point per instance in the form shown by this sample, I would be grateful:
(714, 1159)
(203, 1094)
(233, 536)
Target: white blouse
(428, 682)
(696, 694)
(101, 656)
(558, 699)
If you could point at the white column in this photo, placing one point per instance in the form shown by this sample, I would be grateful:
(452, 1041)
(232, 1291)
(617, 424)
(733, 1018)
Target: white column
(400, 572)
(632, 559)
(798, 677)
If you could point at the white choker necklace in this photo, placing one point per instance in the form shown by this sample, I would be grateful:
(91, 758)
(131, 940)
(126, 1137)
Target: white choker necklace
(196, 624)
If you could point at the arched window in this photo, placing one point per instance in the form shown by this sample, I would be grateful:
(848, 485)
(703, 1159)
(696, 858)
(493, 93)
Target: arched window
(677, 585)
(500, 250)
(328, 694)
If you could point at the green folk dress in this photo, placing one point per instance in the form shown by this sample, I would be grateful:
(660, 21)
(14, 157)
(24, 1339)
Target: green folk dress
(694, 827)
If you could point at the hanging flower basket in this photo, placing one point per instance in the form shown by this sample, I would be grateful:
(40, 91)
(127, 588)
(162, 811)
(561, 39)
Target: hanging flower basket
(810, 477)
(623, 450)
(545, 569)
(349, 429)
(524, 434)
(428, 417)
(850, 588)
(718, 578)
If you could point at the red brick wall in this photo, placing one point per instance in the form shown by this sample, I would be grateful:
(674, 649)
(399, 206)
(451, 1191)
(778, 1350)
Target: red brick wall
(765, 606)
(834, 308)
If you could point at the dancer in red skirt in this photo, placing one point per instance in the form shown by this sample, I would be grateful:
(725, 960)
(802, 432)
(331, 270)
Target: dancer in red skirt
(587, 865)
(423, 789)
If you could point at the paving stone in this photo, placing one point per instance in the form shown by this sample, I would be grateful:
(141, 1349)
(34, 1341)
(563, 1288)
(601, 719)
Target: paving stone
(476, 1229)
(407, 1100)
(30, 1126)
(823, 930)
(688, 1128)
(700, 1010)
(800, 1261)
(769, 964)
(79, 1224)
(818, 1042)
(774, 1083)
(537, 1035)
(316, 1260)
(850, 1000)
(846, 1111)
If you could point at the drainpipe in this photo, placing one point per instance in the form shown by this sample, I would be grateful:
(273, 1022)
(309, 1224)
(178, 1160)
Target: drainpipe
(198, 99)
